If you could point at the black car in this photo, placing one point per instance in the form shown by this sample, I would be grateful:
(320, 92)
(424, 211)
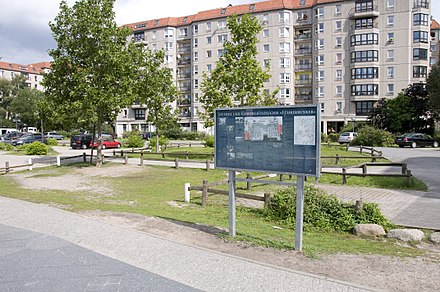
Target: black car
(29, 138)
(416, 140)
(81, 141)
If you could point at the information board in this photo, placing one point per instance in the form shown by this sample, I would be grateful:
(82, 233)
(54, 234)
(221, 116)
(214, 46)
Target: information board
(283, 139)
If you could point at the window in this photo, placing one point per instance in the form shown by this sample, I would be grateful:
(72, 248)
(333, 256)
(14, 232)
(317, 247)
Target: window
(433, 61)
(284, 16)
(421, 3)
(363, 108)
(195, 56)
(154, 47)
(319, 12)
(365, 89)
(284, 62)
(196, 69)
(168, 33)
(390, 38)
(420, 71)
(320, 75)
(338, 42)
(222, 24)
(284, 47)
(420, 36)
(266, 63)
(220, 52)
(139, 114)
(209, 40)
(301, 16)
(319, 28)
(208, 54)
(285, 93)
(338, 58)
(364, 39)
(338, 10)
(302, 2)
(169, 59)
(195, 29)
(363, 23)
(223, 11)
(195, 42)
(284, 78)
(319, 91)
(153, 35)
(266, 33)
(319, 44)
(420, 54)
(339, 106)
(365, 56)
(390, 72)
(363, 6)
(251, 7)
(390, 4)
(183, 32)
(222, 38)
(209, 67)
(208, 26)
(365, 73)
(266, 18)
(196, 83)
(139, 36)
(433, 48)
(390, 55)
(284, 32)
(338, 25)
(390, 20)
(390, 89)
(266, 48)
(319, 60)
(421, 19)
(168, 46)
(338, 90)
(338, 74)
(322, 107)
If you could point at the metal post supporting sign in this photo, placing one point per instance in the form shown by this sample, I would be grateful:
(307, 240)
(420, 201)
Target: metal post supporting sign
(232, 203)
(299, 212)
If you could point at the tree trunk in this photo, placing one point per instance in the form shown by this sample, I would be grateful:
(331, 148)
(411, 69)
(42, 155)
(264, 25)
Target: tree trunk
(157, 140)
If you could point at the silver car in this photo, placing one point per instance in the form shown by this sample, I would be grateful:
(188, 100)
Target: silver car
(347, 137)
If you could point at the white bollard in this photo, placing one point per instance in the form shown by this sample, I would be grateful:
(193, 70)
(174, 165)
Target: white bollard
(187, 192)
(58, 160)
(30, 163)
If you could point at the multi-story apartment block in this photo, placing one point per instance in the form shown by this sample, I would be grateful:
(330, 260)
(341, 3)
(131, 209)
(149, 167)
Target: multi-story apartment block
(435, 42)
(33, 72)
(341, 55)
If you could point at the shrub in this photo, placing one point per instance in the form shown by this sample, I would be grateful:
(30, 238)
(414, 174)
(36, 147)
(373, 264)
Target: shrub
(52, 142)
(36, 148)
(173, 133)
(6, 147)
(333, 137)
(370, 136)
(191, 135)
(322, 211)
(162, 142)
(209, 141)
(134, 141)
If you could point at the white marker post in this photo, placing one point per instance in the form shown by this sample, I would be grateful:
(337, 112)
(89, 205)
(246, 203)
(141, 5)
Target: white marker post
(299, 212)
(187, 192)
(232, 213)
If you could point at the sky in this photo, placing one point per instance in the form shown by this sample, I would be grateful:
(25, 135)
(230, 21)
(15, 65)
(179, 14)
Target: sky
(25, 36)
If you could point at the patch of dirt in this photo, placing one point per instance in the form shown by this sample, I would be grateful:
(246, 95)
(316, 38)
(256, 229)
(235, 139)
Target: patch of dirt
(373, 271)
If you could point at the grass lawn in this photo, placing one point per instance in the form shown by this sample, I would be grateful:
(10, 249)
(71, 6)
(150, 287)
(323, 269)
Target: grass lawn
(150, 192)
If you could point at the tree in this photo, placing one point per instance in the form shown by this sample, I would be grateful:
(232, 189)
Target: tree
(8, 90)
(238, 78)
(156, 90)
(433, 85)
(93, 72)
(27, 106)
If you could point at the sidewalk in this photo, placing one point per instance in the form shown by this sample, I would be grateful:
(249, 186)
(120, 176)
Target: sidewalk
(174, 266)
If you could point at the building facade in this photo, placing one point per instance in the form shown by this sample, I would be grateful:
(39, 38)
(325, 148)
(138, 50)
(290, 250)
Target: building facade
(33, 73)
(341, 55)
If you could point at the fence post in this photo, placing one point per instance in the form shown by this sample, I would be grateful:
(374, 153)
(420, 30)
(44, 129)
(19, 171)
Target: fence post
(58, 160)
(409, 176)
(281, 177)
(142, 157)
(373, 158)
(102, 158)
(248, 183)
(114, 152)
(364, 169)
(361, 148)
(344, 176)
(267, 198)
(337, 159)
(372, 150)
(176, 161)
(208, 165)
(84, 157)
(6, 166)
(126, 159)
(30, 163)
(204, 192)
(186, 155)
(404, 168)
(187, 192)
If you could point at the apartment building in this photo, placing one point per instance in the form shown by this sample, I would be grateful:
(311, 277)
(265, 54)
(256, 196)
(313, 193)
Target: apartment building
(33, 72)
(341, 55)
(435, 42)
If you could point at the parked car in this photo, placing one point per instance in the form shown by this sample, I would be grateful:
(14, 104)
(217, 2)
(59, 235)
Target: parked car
(347, 137)
(416, 140)
(81, 141)
(107, 142)
(53, 135)
(29, 138)
(10, 137)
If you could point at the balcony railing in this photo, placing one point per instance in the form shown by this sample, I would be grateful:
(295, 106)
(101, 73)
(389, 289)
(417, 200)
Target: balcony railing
(184, 62)
(184, 49)
(304, 51)
(303, 36)
(303, 67)
(303, 82)
(364, 26)
(184, 76)
(361, 12)
(303, 97)
(421, 4)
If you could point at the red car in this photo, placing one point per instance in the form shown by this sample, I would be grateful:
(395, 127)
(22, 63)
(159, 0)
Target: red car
(107, 142)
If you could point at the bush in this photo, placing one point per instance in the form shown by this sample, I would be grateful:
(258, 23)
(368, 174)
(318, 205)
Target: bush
(370, 136)
(173, 133)
(322, 211)
(6, 147)
(209, 141)
(134, 141)
(333, 137)
(52, 142)
(36, 148)
(191, 135)
(162, 142)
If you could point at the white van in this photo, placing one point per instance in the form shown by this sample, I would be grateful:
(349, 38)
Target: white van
(6, 130)
(31, 130)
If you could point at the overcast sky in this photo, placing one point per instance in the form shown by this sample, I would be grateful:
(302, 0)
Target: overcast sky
(25, 36)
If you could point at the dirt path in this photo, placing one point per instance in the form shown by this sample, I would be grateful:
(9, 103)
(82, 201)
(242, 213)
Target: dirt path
(374, 271)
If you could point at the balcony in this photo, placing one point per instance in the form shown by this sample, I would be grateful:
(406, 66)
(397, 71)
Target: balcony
(303, 51)
(184, 76)
(184, 88)
(302, 22)
(303, 37)
(184, 103)
(303, 98)
(364, 12)
(303, 67)
(184, 62)
(303, 82)
(184, 49)
(365, 26)
(421, 4)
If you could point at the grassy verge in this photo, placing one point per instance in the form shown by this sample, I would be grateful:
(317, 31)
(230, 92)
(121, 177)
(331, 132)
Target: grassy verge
(156, 191)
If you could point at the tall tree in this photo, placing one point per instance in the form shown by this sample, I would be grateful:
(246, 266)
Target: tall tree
(93, 71)
(433, 84)
(27, 106)
(156, 90)
(8, 90)
(238, 78)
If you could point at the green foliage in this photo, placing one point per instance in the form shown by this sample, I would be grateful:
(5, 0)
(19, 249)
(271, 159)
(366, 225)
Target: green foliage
(134, 141)
(191, 135)
(322, 211)
(238, 77)
(333, 137)
(6, 147)
(162, 142)
(36, 148)
(52, 142)
(433, 85)
(209, 141)
(27, 105)
(371, 136)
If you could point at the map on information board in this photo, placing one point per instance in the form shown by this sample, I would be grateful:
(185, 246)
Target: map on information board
(304, 133)
(260, 128)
